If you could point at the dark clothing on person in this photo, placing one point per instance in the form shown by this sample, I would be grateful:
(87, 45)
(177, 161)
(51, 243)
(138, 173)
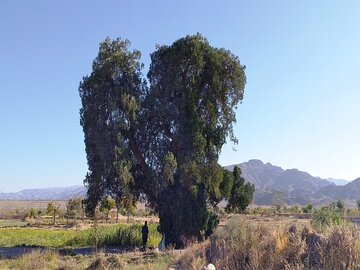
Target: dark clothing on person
(145, 233)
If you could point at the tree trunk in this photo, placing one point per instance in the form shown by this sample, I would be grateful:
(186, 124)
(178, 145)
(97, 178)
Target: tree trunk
(96, 230)
(182, 215)
(67, 216)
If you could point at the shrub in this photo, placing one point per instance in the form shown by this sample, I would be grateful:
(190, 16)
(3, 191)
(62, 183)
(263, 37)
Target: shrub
(308, 208)
(295, 210)
(211, 224)
(261, 211)
(324, 218)
(106, 262)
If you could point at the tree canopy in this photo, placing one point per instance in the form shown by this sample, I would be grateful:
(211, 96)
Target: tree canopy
(74, 208)
(241, 193)
(161, 136)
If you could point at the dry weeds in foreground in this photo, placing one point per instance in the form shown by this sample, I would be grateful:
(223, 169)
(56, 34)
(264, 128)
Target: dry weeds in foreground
(242, 244)
(51, 260)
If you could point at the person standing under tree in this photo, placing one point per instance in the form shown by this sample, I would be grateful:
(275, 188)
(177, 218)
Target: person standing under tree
(145, 233)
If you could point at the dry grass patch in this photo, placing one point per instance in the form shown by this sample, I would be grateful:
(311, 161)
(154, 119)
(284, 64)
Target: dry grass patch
(51, 260)
(32, 261)
(342, 248)
(244, 244)
(194, 256)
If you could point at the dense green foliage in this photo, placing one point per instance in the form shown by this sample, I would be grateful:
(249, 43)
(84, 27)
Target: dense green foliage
(106, 205)
(162, 139)
(112, 235)
(53, 210)
(325, 217)
(10, 237)
(117, 235)
(74, 209)
(241, 193)
(340, 206)
(308, 208)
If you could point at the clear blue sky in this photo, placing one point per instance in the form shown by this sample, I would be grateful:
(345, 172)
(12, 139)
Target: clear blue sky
(301, 106)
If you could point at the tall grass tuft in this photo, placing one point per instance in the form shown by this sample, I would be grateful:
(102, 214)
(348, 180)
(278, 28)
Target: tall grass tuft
(342, 248)
(118, 235)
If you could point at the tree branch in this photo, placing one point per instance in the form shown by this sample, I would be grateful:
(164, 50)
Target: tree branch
(137, 154)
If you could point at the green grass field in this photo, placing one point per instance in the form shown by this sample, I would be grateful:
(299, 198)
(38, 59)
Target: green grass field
(111, 235)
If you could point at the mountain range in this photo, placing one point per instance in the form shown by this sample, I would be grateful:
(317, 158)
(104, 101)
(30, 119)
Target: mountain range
(272, 185)
(55, 193)
(291, 186)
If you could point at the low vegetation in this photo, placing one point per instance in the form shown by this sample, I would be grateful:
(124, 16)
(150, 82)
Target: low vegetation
(11, 237)
(52, 260)
(242, 244)
(325, 217)
(112, 235)
(118, 235)
(12, 223)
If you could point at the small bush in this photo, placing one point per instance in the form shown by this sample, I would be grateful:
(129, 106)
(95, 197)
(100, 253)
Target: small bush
(324, 218)
(103, 262)
(260, 211)
(308, 208)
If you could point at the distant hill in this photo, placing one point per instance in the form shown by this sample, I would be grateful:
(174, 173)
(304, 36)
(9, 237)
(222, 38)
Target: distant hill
(338, 182)
(295, 187)
(270, 177)
(56, 193)
(348, 192)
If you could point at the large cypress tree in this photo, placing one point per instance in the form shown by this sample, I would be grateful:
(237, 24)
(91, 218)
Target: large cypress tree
(161, 137)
